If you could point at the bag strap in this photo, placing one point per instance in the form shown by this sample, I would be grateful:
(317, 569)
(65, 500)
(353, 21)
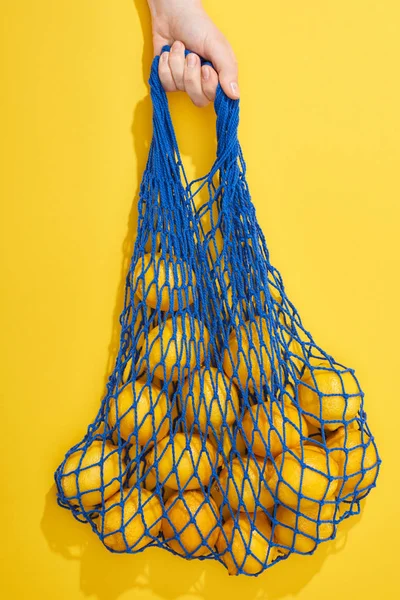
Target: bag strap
(226, 109)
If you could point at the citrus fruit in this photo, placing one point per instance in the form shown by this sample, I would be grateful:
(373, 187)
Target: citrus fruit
(270, 427)
(209, 399)
(140, 474)
(183, 463)
(163, 282)
(129, 517)
(94, 473)
(243, 483)
(190, 526)
(222, 440)
(306, 472)
(325, 398)
(244, 544)
(140, 410)
(355, 453)
(249, 354)
(174, 346)
(302, 530)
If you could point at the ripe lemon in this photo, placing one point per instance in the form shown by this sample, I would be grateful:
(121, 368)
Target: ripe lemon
(244, 544)
(222, 440)
(94, 473)
(176, 345)
(238, 441)
(209, 399)
(269, 427)
(183, 463)
(140, 409)
(122, 524)
(302, 530)
(243, 483)
(312, 479)
(140, 475)
(190, 526)
(163, 282)
(332, 408)
(360, 469)
(248, 363)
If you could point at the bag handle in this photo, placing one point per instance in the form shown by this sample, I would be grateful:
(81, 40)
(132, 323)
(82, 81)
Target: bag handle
(226, 109)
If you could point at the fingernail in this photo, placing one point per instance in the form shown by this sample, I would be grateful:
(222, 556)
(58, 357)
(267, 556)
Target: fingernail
(164, 56)
(176, 46)
(235, 89)
(191, 60)
(205, 72)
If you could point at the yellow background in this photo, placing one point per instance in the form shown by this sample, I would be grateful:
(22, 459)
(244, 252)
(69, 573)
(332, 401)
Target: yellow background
(320, 132)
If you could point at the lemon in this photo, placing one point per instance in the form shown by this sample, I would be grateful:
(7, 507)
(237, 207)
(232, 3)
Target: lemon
(222, 440)
(190, 526)
(244, 544)
(355, 453)
(141, 410)
(94, 473)
(249, 354)
(225, 510)
(308, 472)
(130, 519)
(243, 484)
(141, 475)
(239, 444)
(302, 530)
(332, 408)
(174, 346)
(269, 427)
(181, 463)
(163, 282)
(209, 399)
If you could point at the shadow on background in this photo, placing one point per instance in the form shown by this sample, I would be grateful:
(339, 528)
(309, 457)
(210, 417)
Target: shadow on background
(107, 576)
(198, 157)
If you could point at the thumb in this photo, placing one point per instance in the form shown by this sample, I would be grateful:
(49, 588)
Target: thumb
(224, 62)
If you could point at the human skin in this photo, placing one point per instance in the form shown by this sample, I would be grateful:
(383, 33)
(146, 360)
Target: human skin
(185, 24)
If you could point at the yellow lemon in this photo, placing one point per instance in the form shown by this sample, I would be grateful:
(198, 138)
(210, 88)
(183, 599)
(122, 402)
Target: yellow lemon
(222, 440)
(141, 475)
(302, 530)
(95, 473)
(175, 346)
(332, 408)
(190, 525)
(249, 354)
(164, 282)
(239, 444)
(269, 427)
(130, 519)
(243, 483)
(306, 471)
(142, 409)
(356, 455)
(183, 463)
(244, 544)
(209, 399)
(226, 511)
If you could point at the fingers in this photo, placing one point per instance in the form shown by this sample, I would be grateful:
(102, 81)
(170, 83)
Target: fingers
(177, 64)
(165, 74)
(192, 80)
(209, 82)
(186, 74)
(223, 59)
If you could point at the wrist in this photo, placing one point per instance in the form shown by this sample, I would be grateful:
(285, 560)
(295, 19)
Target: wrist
(163, 9)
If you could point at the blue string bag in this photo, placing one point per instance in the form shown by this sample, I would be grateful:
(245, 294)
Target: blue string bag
(225, 433)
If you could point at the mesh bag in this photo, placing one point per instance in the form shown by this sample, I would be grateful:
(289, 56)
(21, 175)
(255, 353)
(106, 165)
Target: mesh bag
(225, 432)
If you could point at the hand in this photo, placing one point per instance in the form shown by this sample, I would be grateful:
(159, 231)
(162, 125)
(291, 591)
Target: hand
(184, 23)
